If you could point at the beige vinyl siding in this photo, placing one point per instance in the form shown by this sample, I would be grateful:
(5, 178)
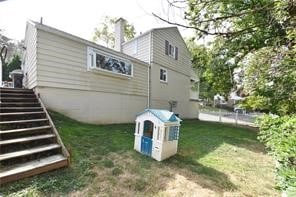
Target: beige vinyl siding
(92, 106)
(176, 88)
(183, 64)
(143, 48)
(30, 59)
(62, 63)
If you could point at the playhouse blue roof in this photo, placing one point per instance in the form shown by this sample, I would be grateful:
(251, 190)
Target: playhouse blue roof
(163, 115)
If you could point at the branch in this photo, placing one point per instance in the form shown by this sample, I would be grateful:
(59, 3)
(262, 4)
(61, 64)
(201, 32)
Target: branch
(227, 34)
(188, 27)
(235, 15)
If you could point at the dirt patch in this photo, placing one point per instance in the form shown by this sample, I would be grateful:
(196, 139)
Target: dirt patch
(150, 178)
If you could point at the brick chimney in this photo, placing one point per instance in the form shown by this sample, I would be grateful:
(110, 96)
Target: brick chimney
(119, 33)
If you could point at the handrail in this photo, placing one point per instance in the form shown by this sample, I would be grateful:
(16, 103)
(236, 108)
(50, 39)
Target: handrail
(64, 149)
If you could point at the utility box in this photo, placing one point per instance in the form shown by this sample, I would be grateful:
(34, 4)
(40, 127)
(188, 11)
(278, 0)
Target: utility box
(17, 78)
(157, 133)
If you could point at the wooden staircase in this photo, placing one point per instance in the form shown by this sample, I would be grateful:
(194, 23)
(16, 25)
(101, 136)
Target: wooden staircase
(29, 141)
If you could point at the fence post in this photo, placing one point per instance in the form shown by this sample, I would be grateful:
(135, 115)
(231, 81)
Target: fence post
(236, 117)
(220, 118)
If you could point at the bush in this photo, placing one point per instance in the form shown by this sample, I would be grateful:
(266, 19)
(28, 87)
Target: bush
(279, 136)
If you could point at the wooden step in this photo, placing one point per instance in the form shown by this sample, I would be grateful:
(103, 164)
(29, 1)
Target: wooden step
(17, 99)
(26, 139)
(23, 121)
(30, 151)
(21, 109)
(32, 168)
(25, 129)
(27, 95)
(15, 90)
(21, 113)
(22, 104)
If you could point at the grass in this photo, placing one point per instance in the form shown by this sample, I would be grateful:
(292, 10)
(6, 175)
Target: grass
(213, 160)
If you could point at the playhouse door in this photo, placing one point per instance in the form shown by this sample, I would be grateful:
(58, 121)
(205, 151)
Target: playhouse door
(146, 145)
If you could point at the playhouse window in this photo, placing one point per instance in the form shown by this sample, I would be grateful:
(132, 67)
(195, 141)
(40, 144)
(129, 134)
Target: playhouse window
(174, 133)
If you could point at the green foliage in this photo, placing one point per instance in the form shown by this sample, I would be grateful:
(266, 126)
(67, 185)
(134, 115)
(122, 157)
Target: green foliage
(279, 136)
(255, 103)
(105, 32)
(214, 76)
(245, 27)
(15, 63)
(270, 76)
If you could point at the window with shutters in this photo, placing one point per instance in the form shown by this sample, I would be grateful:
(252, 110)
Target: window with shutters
(171, 50)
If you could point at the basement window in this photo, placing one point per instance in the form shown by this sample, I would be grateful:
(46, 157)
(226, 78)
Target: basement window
(103, 61)
(163, 75)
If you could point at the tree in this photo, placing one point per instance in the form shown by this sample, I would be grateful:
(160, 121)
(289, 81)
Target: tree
(270, 77)
(15, 63)
(240, 28)
(260, 37)
(201, 59)
(105, 32)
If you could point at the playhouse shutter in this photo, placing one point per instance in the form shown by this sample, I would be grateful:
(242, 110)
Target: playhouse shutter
(167, 47)
(176, 53)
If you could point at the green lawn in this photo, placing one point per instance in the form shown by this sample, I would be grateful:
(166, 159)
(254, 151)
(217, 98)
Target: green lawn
(213, 160)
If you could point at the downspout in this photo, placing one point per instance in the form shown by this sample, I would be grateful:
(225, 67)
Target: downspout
(149, 72)
(148, 100)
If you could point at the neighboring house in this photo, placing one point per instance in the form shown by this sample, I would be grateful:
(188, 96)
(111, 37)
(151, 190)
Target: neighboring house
(96, 84)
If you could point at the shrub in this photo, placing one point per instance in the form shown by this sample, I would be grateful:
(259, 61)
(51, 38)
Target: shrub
(279, 136)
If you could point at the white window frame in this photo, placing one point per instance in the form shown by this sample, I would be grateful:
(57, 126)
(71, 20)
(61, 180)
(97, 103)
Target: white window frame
(171, 51)
(91, 62)
(166, 75)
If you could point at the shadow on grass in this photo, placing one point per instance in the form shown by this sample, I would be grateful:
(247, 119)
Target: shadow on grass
(215, 180)
(199, 138)
(89, 144)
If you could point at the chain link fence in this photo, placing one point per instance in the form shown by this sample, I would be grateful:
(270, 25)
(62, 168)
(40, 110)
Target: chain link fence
(221, 115)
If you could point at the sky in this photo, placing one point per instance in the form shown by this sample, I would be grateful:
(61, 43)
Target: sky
(80, 17)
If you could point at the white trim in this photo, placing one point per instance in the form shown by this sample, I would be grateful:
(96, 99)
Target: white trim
(91, 63)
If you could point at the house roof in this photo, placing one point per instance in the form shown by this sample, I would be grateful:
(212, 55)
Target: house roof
(163, 115)
(147, 32)
(53, 30)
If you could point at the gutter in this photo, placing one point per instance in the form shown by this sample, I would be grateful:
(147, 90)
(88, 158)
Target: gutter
(149, 71)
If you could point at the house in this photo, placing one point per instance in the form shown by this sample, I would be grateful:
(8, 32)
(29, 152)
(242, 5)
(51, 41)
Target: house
(95, 84)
